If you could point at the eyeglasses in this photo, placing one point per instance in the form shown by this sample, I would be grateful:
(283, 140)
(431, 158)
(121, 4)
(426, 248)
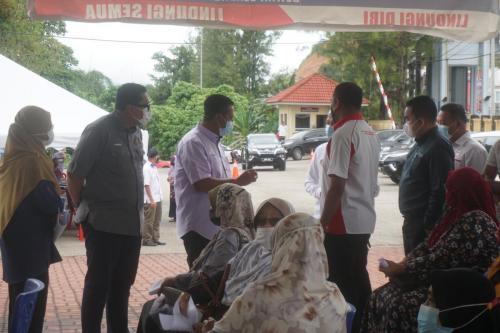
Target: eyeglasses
(142, 106)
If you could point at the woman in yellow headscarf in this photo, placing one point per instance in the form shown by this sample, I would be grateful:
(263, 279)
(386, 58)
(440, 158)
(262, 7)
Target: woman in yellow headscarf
(29, 204)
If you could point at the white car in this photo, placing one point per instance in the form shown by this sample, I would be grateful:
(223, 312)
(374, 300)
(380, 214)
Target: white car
(487, 139)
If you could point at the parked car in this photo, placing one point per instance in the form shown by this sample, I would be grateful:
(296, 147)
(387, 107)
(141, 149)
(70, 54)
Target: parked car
(302, 143)
(387, 134)
(399, 141)
(487, 139)
(392, 160)
(263, 150)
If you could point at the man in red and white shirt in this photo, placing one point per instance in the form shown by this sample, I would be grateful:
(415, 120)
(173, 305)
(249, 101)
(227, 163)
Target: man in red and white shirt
(349, 187)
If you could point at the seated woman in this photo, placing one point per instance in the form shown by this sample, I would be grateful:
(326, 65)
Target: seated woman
(460, 300)
(234, 208)
(254, 259)
(295, 296)
(465, 237)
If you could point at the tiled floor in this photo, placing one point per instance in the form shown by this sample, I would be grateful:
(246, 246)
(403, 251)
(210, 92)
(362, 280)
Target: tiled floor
(66, 283)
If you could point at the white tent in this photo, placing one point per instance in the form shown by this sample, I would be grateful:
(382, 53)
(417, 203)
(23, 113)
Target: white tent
(20, 87)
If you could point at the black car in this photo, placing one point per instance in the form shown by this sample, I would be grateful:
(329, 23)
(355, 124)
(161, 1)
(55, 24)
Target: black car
(304, 142)
(391, 162)
(388, 134)
(263, 149)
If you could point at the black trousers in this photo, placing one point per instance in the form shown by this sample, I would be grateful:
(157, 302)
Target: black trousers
(112, 262)
(413, 233)
(194, 243)
(347, 258)
(15, 289)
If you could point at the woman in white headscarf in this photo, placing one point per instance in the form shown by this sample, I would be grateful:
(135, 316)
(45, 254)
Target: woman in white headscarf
(295, 297)
(254, 259)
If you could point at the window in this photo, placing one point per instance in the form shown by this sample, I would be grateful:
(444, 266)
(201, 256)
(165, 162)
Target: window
(320, 121)
(302, 121)
(284, 119)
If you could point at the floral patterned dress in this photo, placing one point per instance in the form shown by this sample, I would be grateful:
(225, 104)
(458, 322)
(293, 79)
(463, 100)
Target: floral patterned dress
(470, 243)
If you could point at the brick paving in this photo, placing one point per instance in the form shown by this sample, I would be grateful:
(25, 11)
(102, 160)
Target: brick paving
(66, 285)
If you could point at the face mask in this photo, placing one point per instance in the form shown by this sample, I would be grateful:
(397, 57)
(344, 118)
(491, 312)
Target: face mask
(49, 140)
(428, 318)
(428, 321)
(226, 130)
(408, 130)
(146, 117)
(444, 130)
(263, 236)
(329, 131)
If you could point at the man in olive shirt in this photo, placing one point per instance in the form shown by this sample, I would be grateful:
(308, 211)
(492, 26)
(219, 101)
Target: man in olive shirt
(106, 177)
(421, 189)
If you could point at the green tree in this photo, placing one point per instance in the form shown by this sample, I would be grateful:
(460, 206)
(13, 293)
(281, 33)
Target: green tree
(279, 81)
(30, 43)
(399, 56)
(183, 110)
(233, 57)
(178, 67)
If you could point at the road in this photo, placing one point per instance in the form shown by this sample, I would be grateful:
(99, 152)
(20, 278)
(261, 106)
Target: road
(288, 185)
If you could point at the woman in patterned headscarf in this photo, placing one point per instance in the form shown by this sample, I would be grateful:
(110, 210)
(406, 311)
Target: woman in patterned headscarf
(233, 206)
(29, 203)
(295, 296)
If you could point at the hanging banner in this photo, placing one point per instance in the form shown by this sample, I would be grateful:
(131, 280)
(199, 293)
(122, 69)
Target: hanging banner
(472, 20)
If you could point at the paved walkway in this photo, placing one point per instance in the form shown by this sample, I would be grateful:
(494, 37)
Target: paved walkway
(66, 284)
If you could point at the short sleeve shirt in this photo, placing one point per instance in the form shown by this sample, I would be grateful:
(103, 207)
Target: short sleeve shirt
(469, 153)
(152, 179)
(353, 154)
(199, 156)
(494, 156)
(109, 157)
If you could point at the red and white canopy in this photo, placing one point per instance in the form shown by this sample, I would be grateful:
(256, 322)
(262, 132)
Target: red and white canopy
(472, 20)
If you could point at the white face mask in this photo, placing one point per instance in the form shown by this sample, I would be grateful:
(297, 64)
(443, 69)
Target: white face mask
(263, 236)
(146, 118)
(407, 129)
(49, 140)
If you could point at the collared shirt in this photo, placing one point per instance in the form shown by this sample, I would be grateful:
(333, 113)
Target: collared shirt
(494, 156)
(152, 179)
(109, 157)
(352, 154)
(469, 153)
(313, 177)
(421, 188)
(199, 156)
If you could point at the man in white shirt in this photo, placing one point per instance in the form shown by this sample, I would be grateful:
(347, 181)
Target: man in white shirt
(349, 187)
(313, 176)
(152, 201)
(282, 131)
(468, 152)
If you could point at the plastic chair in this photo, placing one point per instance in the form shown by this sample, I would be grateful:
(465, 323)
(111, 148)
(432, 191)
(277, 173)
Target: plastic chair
(25, 306)
(351, 312)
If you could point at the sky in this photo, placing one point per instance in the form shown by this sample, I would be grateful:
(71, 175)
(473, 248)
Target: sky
(131, 62)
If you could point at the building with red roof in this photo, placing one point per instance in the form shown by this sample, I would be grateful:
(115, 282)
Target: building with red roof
(305, 105)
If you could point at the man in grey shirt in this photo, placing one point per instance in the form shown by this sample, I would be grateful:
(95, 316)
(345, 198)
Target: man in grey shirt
(106, 177)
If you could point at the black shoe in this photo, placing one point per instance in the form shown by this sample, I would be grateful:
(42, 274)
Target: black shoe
(159, 243)
(149, 243)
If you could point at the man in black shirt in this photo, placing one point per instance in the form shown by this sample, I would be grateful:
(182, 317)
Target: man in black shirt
(421, 189)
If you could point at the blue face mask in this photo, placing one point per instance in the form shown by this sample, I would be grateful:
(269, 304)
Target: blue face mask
(428, 321)
(226, 130)
(329, 131)
(444, 131)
